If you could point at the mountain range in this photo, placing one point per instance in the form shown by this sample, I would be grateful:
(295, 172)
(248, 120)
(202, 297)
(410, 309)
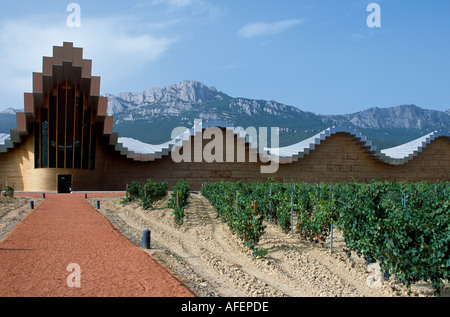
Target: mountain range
(150, 116)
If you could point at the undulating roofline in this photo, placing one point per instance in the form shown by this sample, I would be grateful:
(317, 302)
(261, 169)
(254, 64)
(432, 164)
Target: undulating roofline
(398, 155)
(140, 151)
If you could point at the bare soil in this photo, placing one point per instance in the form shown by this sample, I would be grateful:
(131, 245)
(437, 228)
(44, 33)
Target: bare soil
(13, 210)
(212, 262)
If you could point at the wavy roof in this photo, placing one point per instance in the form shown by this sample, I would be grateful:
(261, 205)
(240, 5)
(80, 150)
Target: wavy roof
(398, 155)
(140, 151)
(406, 152)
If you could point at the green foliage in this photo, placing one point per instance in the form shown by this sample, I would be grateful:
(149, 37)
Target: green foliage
(403, 226)
(147, 194)
(151, 192)
(315, 212)
(234, 203)
(247, 225)
(362, 218)
(179, 200)
(417, 235)
(133, 192)
(9, 191)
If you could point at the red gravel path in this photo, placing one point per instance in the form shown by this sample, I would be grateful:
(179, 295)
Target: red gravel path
(65, 229)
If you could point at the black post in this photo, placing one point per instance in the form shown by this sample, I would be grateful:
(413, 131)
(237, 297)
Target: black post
(146, 239)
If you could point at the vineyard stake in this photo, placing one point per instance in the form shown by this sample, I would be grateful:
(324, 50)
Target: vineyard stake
(292, 214)
(331, 229)
(331, 239)
(270, 200)
(255, 207)
(237, 194)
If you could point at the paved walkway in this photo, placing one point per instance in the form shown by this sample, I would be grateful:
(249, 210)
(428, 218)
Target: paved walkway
(41, 256)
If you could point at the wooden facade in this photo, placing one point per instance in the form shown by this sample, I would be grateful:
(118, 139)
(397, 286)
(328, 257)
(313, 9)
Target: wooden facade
(64, 134)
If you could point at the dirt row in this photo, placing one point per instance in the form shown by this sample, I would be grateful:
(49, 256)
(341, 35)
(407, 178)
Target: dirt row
(12, 211)
(212, 262)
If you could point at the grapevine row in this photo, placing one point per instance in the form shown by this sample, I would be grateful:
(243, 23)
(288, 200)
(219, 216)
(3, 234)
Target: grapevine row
(152, 191)
(404, 227)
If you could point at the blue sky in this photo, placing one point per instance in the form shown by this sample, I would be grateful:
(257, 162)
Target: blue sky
(317, 55)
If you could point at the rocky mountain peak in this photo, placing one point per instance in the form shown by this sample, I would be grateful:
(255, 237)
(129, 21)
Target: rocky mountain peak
(183, 94)
(181, 103)
(403, 116)
(191, 92)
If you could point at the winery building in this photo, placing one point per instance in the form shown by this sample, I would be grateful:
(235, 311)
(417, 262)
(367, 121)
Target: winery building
(64, 138)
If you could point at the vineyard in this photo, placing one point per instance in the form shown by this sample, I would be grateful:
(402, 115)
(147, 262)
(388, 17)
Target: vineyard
(404, 227)
(151, 192)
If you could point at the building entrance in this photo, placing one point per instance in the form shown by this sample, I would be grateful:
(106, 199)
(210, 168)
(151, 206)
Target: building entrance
(64, 183)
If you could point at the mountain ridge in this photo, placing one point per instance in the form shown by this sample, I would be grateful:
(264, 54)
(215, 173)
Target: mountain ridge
(180, 104)
(152, 114)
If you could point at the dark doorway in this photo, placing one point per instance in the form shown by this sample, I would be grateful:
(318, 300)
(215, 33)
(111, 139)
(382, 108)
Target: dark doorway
(64, 183)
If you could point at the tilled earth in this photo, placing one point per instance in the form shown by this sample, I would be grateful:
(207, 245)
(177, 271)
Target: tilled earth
(13, 210)
(212, 262)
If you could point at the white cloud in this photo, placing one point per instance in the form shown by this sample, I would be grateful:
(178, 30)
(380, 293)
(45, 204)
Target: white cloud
(116, 51)
(181, 3)
(178, 4)
(261, 29)
(191, 10)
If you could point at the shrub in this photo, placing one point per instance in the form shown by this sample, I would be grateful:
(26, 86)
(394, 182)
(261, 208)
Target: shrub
(151, 192)
(147, 194)
(9, 191)
(133, 192)
(179, 200)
